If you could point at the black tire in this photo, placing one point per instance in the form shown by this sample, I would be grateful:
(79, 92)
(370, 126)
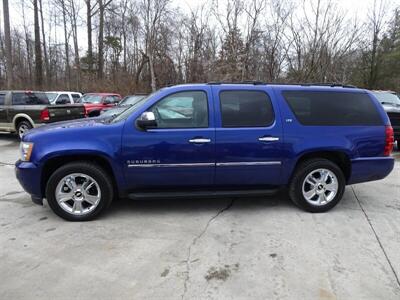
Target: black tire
(300, 174)
(97, 173)
(23, 126)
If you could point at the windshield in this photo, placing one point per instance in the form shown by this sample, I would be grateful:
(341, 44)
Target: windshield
(131, 100)
(387, 98)
(51, 96)
(126, 113)
(90, 98)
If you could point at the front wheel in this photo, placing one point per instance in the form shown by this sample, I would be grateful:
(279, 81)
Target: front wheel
(317, 185)
(79, 191)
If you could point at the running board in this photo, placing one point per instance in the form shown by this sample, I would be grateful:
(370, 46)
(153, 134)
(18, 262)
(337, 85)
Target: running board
(202, 194)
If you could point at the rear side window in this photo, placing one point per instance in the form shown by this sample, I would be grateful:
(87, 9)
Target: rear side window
(29, 98)
(333, 108)
(246, 109)
(2, 99)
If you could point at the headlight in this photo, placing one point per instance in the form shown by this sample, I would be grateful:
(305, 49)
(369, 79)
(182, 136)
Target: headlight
(26, 151)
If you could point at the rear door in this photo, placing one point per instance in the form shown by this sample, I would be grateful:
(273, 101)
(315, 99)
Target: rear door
(248, 137)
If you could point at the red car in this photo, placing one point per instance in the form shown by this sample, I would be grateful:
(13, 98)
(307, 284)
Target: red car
(95, 102)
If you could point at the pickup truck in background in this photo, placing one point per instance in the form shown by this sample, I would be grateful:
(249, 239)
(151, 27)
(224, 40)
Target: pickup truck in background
(21, 111)
(58, 98)
(95, 102)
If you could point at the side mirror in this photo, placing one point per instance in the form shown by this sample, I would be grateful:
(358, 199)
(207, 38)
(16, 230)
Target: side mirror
(146, 120)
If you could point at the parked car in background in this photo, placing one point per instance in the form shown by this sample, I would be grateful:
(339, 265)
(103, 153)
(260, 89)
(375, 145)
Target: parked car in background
(63, 97)
(207, 140)
(391, 103)
(22, 110)
(95, 102)
(125, 103)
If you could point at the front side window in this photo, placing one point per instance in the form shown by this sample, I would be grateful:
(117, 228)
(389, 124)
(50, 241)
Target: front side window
(30, 98)
(332, 108)
(182, 110)
(246, 109)
(2, 99)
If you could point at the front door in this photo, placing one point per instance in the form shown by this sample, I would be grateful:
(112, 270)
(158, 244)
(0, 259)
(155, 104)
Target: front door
(248, 137)
(180, 151)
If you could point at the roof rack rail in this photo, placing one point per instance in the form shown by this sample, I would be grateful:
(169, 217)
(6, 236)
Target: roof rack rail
(254, 82)
(330, 84)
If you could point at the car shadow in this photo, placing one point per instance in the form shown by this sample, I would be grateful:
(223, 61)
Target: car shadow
(11, 137)
(188, 205)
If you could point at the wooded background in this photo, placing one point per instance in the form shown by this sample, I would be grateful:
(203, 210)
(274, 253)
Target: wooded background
(142, 45)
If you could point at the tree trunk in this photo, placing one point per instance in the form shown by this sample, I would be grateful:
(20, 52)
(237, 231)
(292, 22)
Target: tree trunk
(89, 34)
(46, 61)
(152, 73)
(76, 48)
(67, 68)
(101, 40)
(7, 38)
(38, 48)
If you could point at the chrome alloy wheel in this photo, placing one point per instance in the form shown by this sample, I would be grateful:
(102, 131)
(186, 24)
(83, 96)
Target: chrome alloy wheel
(22, 129)
(78, 194)
(320, 187)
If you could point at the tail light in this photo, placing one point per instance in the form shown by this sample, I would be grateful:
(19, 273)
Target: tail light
(389, 140)
(44, 115)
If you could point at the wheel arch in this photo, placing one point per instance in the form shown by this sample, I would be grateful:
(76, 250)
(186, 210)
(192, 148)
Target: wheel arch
(338, 157)
(21, 117)
(52, 164)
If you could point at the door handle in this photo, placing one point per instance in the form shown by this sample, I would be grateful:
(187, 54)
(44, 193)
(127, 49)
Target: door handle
(199, 141)
(268, 139)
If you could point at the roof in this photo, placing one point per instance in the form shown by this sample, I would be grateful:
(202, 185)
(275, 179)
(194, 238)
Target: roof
(63, 92)
(103, 94)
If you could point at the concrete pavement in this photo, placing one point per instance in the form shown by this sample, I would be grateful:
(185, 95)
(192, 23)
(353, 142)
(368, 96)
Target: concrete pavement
(202, 249)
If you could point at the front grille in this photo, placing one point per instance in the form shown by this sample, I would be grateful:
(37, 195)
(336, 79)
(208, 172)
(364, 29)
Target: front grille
(394, 118)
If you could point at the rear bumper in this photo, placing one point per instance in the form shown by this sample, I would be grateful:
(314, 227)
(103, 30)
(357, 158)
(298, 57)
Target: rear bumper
(370, 168)
(29, 176)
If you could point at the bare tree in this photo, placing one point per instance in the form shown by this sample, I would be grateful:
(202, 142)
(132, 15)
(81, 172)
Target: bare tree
(7, 38)
(38, 47)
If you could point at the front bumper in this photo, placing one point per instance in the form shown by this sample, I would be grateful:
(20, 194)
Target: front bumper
(370, 168)
(29, 176)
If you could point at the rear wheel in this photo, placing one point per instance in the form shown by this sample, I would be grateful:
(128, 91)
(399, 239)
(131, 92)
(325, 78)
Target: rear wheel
(23, 127)
(317, 185)
(79, 191)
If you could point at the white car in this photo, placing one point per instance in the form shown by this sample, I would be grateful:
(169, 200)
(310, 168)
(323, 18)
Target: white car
(63, 97)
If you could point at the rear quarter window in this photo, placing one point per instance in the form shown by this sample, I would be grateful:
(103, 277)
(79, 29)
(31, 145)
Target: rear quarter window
(333, 108)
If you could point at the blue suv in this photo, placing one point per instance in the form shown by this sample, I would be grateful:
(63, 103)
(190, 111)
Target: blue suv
(212, 139)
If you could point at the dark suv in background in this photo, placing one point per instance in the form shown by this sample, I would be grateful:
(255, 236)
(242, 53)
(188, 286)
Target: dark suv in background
(391, 103)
